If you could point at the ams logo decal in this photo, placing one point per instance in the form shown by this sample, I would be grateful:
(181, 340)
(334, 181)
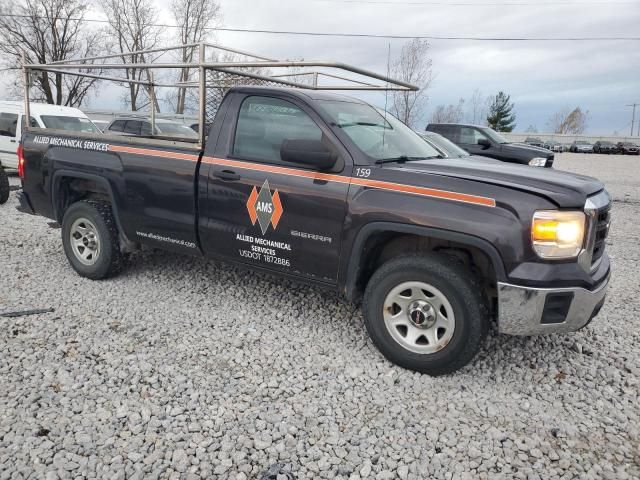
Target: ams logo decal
(265, 207)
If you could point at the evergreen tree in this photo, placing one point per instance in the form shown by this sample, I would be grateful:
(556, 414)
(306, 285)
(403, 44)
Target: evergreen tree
(501, 117)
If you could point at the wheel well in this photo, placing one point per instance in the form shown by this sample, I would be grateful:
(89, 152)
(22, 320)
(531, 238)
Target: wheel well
(71, 190)
(383, 246)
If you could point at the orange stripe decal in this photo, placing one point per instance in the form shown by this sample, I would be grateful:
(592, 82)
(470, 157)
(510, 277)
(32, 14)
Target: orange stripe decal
(398, 187)
(294, 172)
(153, 153)
(427, 192)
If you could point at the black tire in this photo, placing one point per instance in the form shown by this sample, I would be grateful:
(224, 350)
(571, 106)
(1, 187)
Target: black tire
(462, 291)
(4, 186)
(108, 259)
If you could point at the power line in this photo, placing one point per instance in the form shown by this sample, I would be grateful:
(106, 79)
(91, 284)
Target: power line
(481, 4)
(431, 37)
(359, 35)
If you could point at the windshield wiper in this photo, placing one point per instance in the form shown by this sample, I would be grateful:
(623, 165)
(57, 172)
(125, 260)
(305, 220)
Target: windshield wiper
(363, 124)
(405, 158)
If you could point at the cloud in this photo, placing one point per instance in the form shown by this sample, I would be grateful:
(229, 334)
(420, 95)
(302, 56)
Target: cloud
(541, 77)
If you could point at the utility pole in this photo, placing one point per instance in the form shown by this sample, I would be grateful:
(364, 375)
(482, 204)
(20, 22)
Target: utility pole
(633, 116)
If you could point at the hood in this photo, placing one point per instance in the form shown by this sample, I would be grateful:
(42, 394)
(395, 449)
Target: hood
(540, 151)
(567, 190)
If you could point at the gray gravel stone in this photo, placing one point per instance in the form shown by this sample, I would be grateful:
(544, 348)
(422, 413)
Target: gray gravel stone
(181, 368)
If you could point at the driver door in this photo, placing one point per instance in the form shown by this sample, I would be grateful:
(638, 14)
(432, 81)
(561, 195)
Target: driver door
(263, 211)
(469, 137)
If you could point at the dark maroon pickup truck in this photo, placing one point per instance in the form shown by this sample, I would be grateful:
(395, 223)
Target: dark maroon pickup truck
(328, 190)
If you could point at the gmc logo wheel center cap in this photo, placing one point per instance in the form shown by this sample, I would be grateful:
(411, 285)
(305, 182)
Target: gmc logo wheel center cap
(422, 314)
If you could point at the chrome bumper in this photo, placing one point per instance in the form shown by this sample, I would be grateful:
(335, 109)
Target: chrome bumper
(521, 310)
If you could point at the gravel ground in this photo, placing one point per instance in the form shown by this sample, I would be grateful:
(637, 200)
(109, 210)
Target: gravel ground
(181, 368)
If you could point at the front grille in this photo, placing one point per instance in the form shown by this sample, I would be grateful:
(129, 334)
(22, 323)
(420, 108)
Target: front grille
(602, 219)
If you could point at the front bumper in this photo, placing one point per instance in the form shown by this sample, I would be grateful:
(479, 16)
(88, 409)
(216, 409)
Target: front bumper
(532, 311)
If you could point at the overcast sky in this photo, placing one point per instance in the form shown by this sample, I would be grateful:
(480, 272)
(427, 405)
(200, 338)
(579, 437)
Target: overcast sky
(541, 77)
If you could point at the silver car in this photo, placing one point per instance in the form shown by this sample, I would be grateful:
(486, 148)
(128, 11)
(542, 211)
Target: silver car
(141, 127)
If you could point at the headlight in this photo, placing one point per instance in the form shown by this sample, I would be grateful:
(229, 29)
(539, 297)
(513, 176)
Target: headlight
(557, 234)
(538, 162)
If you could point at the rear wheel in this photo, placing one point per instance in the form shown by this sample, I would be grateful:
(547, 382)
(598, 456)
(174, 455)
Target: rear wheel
(425, 313)
(4, 186)
(90, 240)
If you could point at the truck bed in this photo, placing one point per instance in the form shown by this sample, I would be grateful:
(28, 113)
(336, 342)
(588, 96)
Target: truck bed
(150, 182)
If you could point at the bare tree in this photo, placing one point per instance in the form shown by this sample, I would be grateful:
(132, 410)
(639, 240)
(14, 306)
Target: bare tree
(569, 121)
(449, 113)
(195, 18)
(49, 31)
(477, 113)
(415, 67)
(132, 28)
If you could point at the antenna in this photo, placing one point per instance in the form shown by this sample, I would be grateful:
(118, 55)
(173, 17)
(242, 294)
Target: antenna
(386, 94)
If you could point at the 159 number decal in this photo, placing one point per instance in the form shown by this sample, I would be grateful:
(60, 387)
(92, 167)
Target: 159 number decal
(363, 172)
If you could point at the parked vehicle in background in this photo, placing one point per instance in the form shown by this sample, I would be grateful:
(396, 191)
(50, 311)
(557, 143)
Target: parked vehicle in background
(42, 115)
(101, 124)
(534, 142)
(141, 127)
(483, 141)
(628, 148)
(4, 186)
(604, 146)
(581, 146)
(196, 126)
(448, 149)
(553, 146)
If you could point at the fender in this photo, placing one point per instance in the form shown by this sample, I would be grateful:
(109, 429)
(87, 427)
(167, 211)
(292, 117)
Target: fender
(55, 186)
(353, 267)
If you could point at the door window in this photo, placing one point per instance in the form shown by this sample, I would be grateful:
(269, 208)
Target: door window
(8, 124)
(33, 121)
(117, 126)
(132, 127)
(470, 136)
(265, 123)
(145, 129)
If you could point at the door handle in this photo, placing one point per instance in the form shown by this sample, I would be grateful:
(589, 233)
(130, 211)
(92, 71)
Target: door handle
(13, 140)
(227, 175)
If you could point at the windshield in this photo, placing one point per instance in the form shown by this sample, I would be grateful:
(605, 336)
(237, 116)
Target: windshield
(376, 137)
(72, 124)
(495, 136)
(175, 130)
(449, 148)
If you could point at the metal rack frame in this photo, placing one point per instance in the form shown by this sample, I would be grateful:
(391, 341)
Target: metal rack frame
(368, 81)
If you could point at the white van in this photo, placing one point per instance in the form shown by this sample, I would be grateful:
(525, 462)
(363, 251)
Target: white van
(42, 115)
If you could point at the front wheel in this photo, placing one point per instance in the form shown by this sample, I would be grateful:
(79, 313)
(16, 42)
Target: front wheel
(425, 313)
(4, 186)
(90, 239)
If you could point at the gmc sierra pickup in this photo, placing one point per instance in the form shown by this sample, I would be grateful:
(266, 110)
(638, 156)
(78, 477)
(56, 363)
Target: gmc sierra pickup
(328, 190)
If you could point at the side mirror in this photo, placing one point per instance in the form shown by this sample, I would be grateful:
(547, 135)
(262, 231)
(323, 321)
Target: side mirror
(484, 143)
(312, 153)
